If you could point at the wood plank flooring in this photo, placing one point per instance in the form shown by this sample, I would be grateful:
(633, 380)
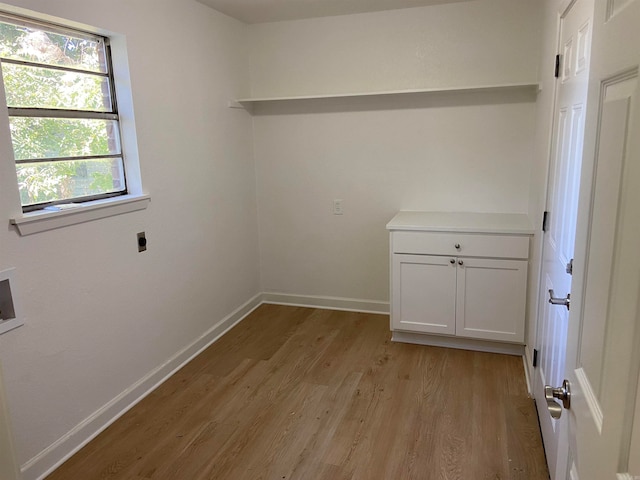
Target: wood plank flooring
(300, 393)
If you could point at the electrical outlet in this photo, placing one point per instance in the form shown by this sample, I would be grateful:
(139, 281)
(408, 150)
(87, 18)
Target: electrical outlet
(337, 207)
(142, 242)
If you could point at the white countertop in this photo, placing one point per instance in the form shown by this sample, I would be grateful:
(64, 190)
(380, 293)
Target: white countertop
(504, 223)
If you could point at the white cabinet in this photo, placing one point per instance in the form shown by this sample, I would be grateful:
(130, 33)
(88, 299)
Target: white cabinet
(424, 294)
(491, 298)
(458, 276)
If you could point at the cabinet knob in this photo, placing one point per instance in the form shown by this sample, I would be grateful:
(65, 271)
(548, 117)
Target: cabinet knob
(457, 245)
(460, 262)
(452, 261)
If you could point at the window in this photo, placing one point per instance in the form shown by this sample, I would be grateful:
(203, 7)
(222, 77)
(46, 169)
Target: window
(62, 113)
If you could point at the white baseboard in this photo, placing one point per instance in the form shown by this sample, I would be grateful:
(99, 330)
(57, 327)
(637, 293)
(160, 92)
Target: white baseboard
(57, 453)
(62, 449)
(328, 303)
(457, 342)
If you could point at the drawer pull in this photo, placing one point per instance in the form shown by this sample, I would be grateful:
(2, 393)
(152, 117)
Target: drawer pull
(457, 245)
(460, 262)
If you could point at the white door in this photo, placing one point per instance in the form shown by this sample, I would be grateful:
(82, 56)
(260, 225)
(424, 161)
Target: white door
(562, 205)
(424, 294)
(603, 347)
(8, 466)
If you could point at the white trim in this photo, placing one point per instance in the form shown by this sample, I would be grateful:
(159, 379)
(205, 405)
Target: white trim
(573, 472)
(459, 343)
(590, 398)
(17, 320)
(11, 324)
(328, 303)
(563, 10)
(528, 364)
(61, 450)
(626, 476)
(8, 465)
(65, 447)
(42, 220)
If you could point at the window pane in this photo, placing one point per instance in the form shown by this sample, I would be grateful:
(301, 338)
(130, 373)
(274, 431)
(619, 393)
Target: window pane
(24, 41)
(35, 87)
(35, 137)
(55, 181)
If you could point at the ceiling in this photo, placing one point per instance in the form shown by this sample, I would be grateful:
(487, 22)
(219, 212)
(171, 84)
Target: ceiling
(259, 11)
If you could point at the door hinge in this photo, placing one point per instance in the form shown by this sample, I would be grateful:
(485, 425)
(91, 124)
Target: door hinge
(545, 218)
(535, 358)
(557, 69)
(569, 268)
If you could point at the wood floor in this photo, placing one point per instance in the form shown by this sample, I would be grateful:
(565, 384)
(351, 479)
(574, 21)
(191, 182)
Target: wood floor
(299, 393)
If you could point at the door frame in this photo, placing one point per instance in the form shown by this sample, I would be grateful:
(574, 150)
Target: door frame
(9, 469)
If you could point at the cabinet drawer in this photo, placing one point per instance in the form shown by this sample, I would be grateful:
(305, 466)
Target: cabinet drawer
(470, 245)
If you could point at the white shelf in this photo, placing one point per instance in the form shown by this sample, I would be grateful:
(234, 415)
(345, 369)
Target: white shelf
(507, 86)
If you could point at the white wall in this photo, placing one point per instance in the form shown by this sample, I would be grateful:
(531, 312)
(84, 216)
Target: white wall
(479, 42)
(99, 315)
(440, 152)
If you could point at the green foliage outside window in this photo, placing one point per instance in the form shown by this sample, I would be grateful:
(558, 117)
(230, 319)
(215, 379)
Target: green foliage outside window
(28, 86)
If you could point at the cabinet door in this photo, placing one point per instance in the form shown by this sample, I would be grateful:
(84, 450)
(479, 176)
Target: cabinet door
(424, 294)
(491, 298)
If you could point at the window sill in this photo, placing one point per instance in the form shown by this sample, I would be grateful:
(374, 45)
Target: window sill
(8, 325)
(41, 221)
